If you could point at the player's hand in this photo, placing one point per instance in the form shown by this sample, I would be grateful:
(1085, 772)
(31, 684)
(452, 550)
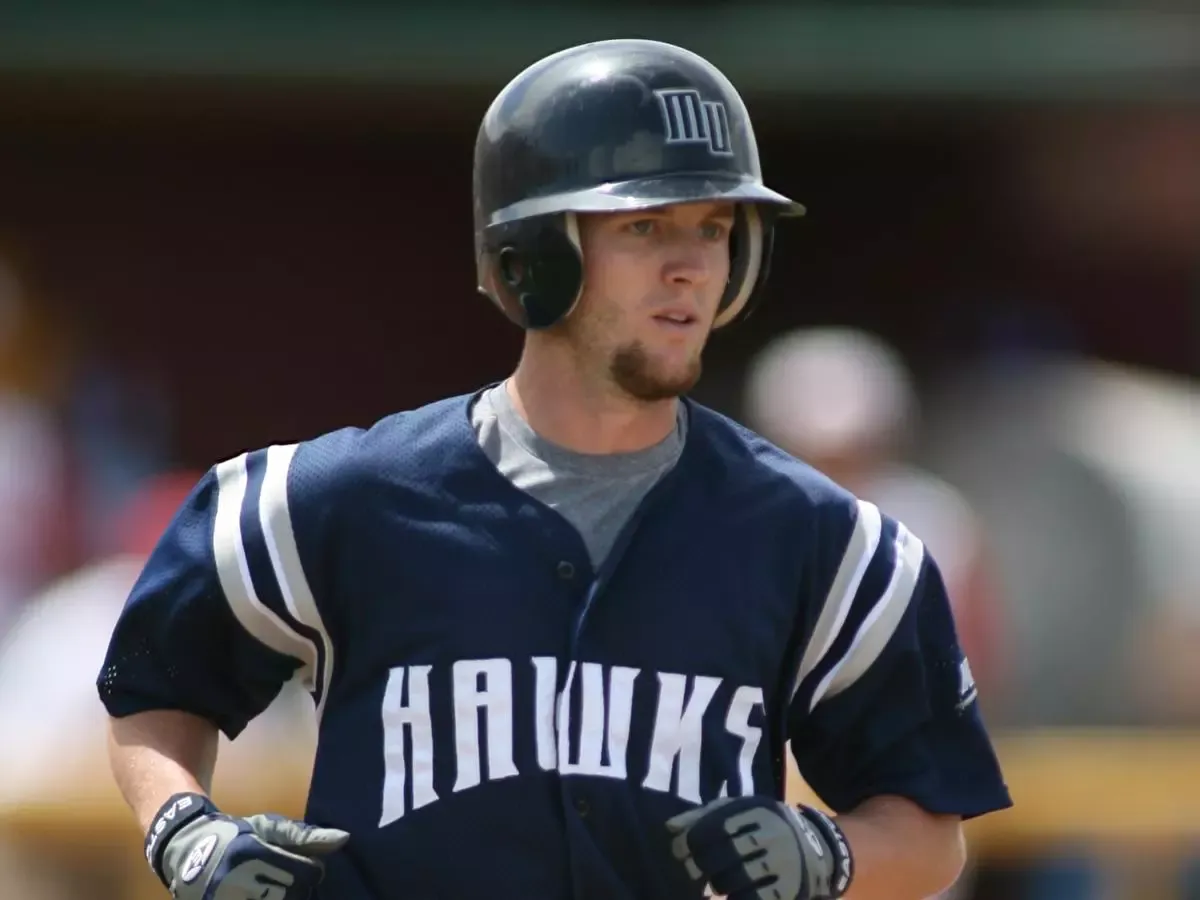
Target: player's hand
(756, 848)
(202, 854)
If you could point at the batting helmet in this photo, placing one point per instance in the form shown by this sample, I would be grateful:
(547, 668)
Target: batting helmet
(611, 126)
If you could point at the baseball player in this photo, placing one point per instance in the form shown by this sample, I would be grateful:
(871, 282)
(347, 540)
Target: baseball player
(560, 632)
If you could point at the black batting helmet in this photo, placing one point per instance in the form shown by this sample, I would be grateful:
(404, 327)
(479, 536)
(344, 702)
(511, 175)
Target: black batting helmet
(611, 126)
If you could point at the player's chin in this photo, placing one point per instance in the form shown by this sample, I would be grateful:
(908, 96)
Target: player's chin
(651, 383)
(674, 353)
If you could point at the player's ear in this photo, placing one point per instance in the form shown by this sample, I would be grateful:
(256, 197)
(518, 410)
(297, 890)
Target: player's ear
(533, 269)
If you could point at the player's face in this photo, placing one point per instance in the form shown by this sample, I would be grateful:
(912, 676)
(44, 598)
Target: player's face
(652, 283)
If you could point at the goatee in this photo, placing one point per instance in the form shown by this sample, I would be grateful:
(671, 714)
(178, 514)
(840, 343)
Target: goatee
(633, 371)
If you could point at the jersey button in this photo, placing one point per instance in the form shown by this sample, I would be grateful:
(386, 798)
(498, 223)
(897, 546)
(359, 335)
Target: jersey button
(582, 807)
(566, 570)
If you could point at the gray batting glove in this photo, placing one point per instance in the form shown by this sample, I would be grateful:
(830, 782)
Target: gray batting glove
(200, 853)
(757, 848)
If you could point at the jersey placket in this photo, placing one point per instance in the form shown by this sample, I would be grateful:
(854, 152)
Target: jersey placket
(575, 805)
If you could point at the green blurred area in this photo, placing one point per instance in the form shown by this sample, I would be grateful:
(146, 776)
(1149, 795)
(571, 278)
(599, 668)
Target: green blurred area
(1027, 50)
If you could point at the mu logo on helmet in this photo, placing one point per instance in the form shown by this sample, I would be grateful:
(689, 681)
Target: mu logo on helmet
(689, 119)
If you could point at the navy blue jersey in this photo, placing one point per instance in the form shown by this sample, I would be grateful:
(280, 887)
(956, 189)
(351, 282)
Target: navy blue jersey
(496, 718)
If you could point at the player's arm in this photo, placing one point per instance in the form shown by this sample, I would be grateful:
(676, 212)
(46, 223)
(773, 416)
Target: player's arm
(900, 850)
(158, 753)
(221, 617)
(884, 727)
(884, 722)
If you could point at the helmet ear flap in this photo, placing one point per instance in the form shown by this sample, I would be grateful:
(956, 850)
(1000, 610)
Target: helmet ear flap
(533, 269)
(750, 246)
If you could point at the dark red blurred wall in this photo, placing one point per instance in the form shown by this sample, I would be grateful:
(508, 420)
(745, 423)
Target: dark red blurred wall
(289, 272)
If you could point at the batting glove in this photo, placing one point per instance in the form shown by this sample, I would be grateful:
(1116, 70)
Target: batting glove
(200, 853)
(756, 848)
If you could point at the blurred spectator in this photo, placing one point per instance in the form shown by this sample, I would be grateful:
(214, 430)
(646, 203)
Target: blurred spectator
(1112, 412)
(843, 401)
(34, 527)
(118, 424)
(48, 667)
(1085, 475)
(59, 643)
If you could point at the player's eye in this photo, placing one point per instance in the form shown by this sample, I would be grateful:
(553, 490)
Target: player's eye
(641, 226)
(714, 231)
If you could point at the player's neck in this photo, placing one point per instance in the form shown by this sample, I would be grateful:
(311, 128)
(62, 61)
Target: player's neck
(568, 409)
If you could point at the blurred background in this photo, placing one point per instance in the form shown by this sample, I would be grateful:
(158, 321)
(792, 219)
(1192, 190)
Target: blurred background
(232, 224)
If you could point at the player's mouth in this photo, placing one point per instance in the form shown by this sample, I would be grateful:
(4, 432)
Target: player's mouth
(675, 319)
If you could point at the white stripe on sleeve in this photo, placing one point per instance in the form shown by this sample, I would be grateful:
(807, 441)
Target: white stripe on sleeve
(880, 623)
(860, 550)
(285, 556)
(233, 570)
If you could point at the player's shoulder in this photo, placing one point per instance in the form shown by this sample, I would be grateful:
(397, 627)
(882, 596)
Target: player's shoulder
(746, 461)
(402, 445)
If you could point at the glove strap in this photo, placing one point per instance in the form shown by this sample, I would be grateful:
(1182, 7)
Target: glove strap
(171, 816)
(843, 869)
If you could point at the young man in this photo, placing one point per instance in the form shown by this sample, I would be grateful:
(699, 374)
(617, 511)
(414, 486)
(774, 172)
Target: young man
(559, 632)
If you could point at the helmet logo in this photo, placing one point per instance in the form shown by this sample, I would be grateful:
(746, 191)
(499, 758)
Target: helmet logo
(688, 119)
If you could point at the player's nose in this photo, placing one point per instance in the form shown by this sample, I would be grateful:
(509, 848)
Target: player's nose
(687, 266)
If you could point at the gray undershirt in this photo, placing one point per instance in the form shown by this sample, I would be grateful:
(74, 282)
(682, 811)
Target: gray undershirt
(597, 493)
